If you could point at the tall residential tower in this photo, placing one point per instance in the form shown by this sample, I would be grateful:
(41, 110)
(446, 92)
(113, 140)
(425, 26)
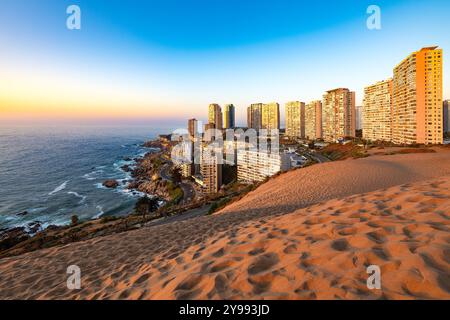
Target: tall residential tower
(193, 127)
(229, 121)
(313, 120)
(254, 116)
(377, 113)
(339, 118)
(270, 116)
(215, 115)
(295, 119)
(446, 119)
(417, 98)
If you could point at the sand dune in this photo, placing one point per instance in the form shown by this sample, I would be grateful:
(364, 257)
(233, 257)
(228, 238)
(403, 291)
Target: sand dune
(311, 185)
(319, 251)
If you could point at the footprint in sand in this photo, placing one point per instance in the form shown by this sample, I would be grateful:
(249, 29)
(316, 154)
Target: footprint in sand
(256, 251)
(263, 263)
(381, 253)
(221, 266)
(186, 288)
(376, 236)
(340, 245)
(291, 249)
(219, 253)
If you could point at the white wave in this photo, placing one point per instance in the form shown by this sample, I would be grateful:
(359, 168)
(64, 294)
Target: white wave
(9, 218)
(59, 188)
(83, 198)
(92, 175)
(100, 186)
(36, 210)
(132, 193)
(100, 212)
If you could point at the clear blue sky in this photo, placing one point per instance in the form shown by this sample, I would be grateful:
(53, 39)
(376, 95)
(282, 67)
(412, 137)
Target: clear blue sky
(166, 60)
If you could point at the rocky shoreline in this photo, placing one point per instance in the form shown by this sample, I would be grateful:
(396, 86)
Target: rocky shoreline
(145, 179)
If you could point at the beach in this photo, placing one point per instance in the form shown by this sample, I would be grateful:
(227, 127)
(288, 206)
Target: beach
(299, 236)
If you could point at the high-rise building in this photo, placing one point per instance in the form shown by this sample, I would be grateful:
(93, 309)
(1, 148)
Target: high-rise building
(256, 165)
(215, 115)
(229, 117)
(417, 98)
(339, 119)
(377, 112)
(211, 169)
(271, 116)
(313, 120)
(193, 127)
(182, 157)
(446, 119)
(295, 119)
(359, 117)
(254, 116)
(209, 132)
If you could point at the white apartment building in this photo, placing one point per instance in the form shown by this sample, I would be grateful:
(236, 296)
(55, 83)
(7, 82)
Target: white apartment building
(256, 166)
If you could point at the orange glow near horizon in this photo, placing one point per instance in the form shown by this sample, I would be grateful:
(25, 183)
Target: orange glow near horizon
(55, 98)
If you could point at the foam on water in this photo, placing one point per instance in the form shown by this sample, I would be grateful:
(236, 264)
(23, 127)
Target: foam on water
(77, 159)
(100, 212)
(83, 198)
(62, 186)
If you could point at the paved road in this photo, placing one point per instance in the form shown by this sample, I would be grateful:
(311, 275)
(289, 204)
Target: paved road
(198, 212)
(318, 157)
(164, 173)
(188, 189)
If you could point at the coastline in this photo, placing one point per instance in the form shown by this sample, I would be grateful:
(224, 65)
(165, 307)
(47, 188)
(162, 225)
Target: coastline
(11, 236)
(241, 253)
(17, 242)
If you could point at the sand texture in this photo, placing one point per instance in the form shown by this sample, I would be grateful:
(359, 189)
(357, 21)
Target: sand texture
(308, 234)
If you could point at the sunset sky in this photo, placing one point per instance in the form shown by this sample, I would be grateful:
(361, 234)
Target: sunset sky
(164, 61)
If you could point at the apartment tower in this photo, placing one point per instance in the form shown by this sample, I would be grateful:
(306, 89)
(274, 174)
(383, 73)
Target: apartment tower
(229, 121)
(359, 117)
(295, 119)
(256, 165)
(254, 116)
(417, 98)
(377, 112)
(215, 115)
(211, 169)
(270, 117)
(313, 120)
(446, 119)
(339, 118)
(193, 127)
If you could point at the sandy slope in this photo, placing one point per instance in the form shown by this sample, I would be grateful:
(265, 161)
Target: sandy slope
(339, 179)
(316, 252)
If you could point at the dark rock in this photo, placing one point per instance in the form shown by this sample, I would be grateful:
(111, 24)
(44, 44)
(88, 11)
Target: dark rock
(53, 228)
(11, 237)
(34, 227)
(112, 184)
(126, 168)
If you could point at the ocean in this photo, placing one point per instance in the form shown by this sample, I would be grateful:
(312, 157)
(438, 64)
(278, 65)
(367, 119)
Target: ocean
(48, 174)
